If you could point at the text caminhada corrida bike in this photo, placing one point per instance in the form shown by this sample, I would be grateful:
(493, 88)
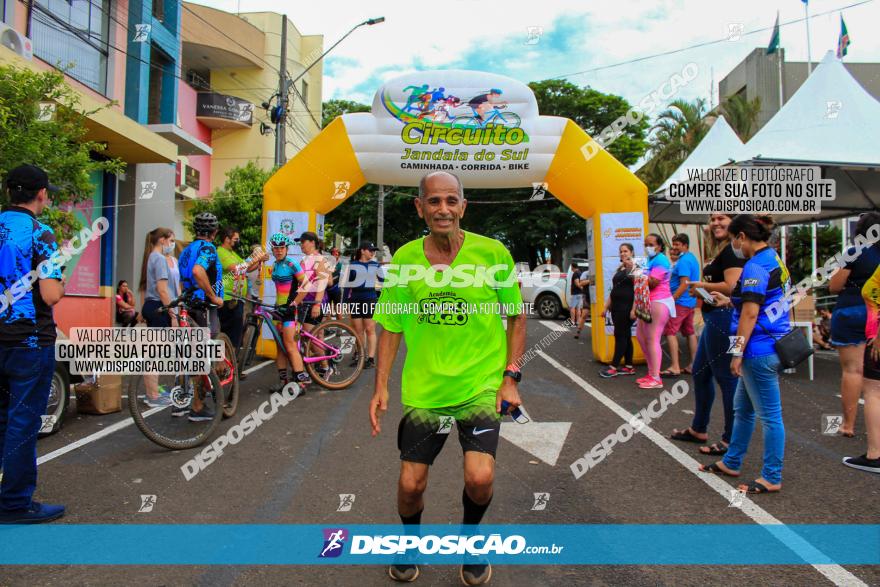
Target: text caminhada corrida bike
(332, 353)
(195, 403)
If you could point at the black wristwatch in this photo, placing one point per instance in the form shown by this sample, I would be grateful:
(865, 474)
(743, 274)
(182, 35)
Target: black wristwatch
(515, 375)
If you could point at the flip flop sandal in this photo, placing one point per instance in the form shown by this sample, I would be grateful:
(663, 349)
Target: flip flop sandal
(715, 469)
(714, 449)
(686, 436)
(754, 488)
(670, 373)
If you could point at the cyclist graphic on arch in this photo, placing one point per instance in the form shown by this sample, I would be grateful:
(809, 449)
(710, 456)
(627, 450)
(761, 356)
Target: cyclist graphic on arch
(481, 104)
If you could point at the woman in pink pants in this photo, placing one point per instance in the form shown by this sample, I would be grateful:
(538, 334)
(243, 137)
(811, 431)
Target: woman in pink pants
(662, 308)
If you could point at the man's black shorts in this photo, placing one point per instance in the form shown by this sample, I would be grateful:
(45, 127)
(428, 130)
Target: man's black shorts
(422, 432)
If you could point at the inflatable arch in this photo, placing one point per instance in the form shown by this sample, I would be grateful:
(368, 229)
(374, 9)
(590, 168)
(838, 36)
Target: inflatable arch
(484, 128)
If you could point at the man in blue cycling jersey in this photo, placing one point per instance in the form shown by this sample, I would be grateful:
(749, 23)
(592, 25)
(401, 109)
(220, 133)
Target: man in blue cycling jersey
(200, 268)
(30, 284)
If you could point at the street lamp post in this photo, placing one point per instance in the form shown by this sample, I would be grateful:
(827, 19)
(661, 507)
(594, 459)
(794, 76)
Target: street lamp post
(285, 85)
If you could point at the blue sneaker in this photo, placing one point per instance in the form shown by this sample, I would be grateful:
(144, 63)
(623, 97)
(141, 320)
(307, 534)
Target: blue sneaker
(37, 513)
(203, 415)
(160, 402)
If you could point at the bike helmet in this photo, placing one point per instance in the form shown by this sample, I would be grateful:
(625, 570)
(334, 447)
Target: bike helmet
(280, 239)
(495, 91)
(205, 224)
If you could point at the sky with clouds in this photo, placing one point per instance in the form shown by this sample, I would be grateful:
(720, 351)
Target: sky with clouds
(576, 38)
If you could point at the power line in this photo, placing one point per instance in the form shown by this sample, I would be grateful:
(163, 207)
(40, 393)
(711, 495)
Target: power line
(705, 44)
(60, 25)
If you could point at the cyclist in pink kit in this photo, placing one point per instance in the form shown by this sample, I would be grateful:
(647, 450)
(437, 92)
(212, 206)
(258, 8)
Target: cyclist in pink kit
(662, 308)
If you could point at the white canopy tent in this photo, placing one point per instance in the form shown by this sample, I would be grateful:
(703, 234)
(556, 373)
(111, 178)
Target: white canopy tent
(719, 147)
(830, 122)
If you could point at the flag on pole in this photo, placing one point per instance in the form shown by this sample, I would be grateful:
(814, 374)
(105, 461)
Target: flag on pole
(774, 38)
(843, 41)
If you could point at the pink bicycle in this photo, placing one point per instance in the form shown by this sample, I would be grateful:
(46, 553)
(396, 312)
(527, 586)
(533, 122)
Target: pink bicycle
(332, 353)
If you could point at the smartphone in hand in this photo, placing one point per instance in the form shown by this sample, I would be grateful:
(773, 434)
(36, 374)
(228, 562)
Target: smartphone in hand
(707, 297)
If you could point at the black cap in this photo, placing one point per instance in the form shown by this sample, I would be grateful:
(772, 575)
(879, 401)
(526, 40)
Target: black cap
(308, 236)
(368, 245)
(29, 177)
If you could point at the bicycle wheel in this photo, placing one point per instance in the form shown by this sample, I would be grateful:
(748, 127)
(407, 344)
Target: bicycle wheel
(466, 122)
(174, 425)
(508, 119)
(344, 351)
(249, 346)
(227, 373)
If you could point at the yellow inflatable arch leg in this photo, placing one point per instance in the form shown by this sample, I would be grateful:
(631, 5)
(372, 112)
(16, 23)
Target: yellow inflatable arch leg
(599, 188)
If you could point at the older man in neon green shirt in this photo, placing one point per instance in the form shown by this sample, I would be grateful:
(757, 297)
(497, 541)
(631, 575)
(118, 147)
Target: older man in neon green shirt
(443, 295)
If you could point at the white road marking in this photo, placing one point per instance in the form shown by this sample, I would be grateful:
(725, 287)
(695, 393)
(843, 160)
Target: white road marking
(114, 428)
(833, 572)
(255, 367)
(554, 325)
(93, 437)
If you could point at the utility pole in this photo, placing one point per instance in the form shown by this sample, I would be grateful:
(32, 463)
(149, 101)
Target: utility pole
(380, 224)
(280, 135)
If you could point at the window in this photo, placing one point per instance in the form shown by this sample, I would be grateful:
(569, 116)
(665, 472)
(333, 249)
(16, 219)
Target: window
(73, 36)
(305, 92)
(159, 64)
(159, 10)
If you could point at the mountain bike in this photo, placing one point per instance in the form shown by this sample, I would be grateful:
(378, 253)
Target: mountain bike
(332, 353)
(175, 426)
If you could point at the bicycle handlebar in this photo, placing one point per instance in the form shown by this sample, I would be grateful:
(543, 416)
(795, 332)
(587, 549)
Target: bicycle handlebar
(258, 302)
(187, 300)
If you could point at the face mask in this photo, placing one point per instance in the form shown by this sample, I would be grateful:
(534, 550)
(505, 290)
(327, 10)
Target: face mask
(651, 251)
(168, 249)
(738, 252)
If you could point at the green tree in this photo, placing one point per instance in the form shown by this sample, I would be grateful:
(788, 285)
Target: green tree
(334, 108)
(798, 248)
(742, 114)
(238, 203)
(58, 145)
(593, 111)
(676, 133)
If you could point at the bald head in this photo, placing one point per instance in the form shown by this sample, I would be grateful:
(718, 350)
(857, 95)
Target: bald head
(441, 178)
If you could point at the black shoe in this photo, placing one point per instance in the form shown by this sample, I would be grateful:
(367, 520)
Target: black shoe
(404, 573)
(475, 574)
(277, 387)
(863, 463)
(354, 360)
(369, 363)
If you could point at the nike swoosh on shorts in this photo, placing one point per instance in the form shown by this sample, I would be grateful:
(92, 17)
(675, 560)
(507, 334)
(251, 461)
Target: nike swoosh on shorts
(478, 432)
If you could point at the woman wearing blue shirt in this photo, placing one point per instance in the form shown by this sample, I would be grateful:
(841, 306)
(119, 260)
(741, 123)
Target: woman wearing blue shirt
(763, 283)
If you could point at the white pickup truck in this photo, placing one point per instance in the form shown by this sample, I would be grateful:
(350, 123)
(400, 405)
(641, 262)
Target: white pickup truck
(547, 287)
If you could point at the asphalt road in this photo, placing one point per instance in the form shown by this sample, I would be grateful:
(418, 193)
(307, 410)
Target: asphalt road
(292, 469)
